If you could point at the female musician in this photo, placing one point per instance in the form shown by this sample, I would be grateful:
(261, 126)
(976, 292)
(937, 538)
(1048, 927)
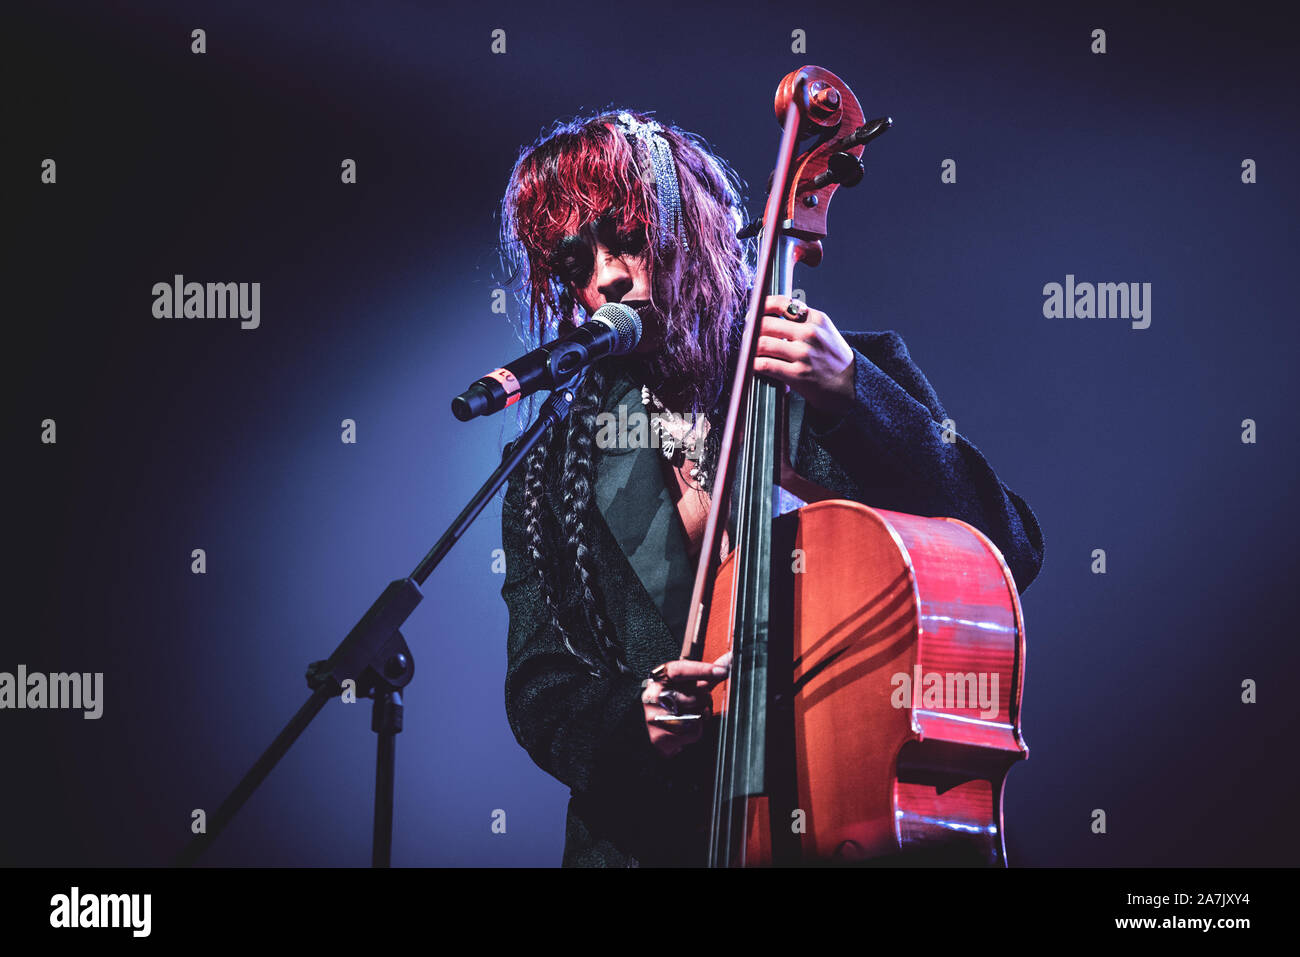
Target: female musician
(602, 531)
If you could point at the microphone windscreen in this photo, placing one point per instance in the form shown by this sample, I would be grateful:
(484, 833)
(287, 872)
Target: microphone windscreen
(626, 323)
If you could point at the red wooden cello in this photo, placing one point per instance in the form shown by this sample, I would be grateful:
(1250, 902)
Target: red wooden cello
(850, 728)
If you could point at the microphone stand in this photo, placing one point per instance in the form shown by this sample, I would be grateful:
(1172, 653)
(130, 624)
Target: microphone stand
(375, 657)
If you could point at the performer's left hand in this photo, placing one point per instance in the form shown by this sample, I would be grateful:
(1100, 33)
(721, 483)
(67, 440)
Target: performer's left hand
(807, 353)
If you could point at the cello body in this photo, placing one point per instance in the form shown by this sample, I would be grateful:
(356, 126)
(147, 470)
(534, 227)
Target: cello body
(865, 763)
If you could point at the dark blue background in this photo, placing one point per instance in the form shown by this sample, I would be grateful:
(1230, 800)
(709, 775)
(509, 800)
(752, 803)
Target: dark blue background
(176, 434)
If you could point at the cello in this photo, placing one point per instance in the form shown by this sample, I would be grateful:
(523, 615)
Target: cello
(836, 743)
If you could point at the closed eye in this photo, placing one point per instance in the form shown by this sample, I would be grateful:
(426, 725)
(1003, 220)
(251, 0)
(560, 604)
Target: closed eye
(630, 244)
(626, 243)
(572, 260)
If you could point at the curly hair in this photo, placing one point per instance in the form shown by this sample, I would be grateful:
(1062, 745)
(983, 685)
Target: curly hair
(583, 171)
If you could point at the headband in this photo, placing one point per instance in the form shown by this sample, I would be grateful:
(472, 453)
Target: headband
(649, 134)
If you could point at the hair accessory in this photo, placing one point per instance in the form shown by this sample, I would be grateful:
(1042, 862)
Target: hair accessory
(665, 175)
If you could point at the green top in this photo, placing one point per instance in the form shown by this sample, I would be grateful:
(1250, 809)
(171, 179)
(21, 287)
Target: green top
(638, 506)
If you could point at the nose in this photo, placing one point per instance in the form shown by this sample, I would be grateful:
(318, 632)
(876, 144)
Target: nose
(614, 278)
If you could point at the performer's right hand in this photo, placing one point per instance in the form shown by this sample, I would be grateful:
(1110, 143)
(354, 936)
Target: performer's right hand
(690, 685)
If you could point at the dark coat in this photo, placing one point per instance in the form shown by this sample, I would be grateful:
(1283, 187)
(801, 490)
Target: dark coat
(629, 805)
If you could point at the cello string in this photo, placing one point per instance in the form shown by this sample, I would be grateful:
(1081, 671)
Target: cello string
(736, 693)
(729, 736)
(756, 586)
(741, 750)
(744, 717)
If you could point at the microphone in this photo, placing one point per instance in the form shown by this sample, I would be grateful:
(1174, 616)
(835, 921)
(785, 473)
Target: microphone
(614, 329)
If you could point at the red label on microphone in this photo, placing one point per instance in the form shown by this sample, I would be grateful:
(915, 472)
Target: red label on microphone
(508, 382)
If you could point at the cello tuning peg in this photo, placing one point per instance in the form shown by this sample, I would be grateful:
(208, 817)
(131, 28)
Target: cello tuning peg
(846, 168)
(843, 168)
(868, 131)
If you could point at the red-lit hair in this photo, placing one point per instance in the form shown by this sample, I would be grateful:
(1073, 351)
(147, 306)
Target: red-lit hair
(584, 169)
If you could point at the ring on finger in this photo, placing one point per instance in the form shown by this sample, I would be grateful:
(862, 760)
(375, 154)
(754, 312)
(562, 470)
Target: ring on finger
(796, 310)
(668, 701)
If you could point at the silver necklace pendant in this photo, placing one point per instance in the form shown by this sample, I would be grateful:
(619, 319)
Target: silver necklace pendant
(686, 434)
